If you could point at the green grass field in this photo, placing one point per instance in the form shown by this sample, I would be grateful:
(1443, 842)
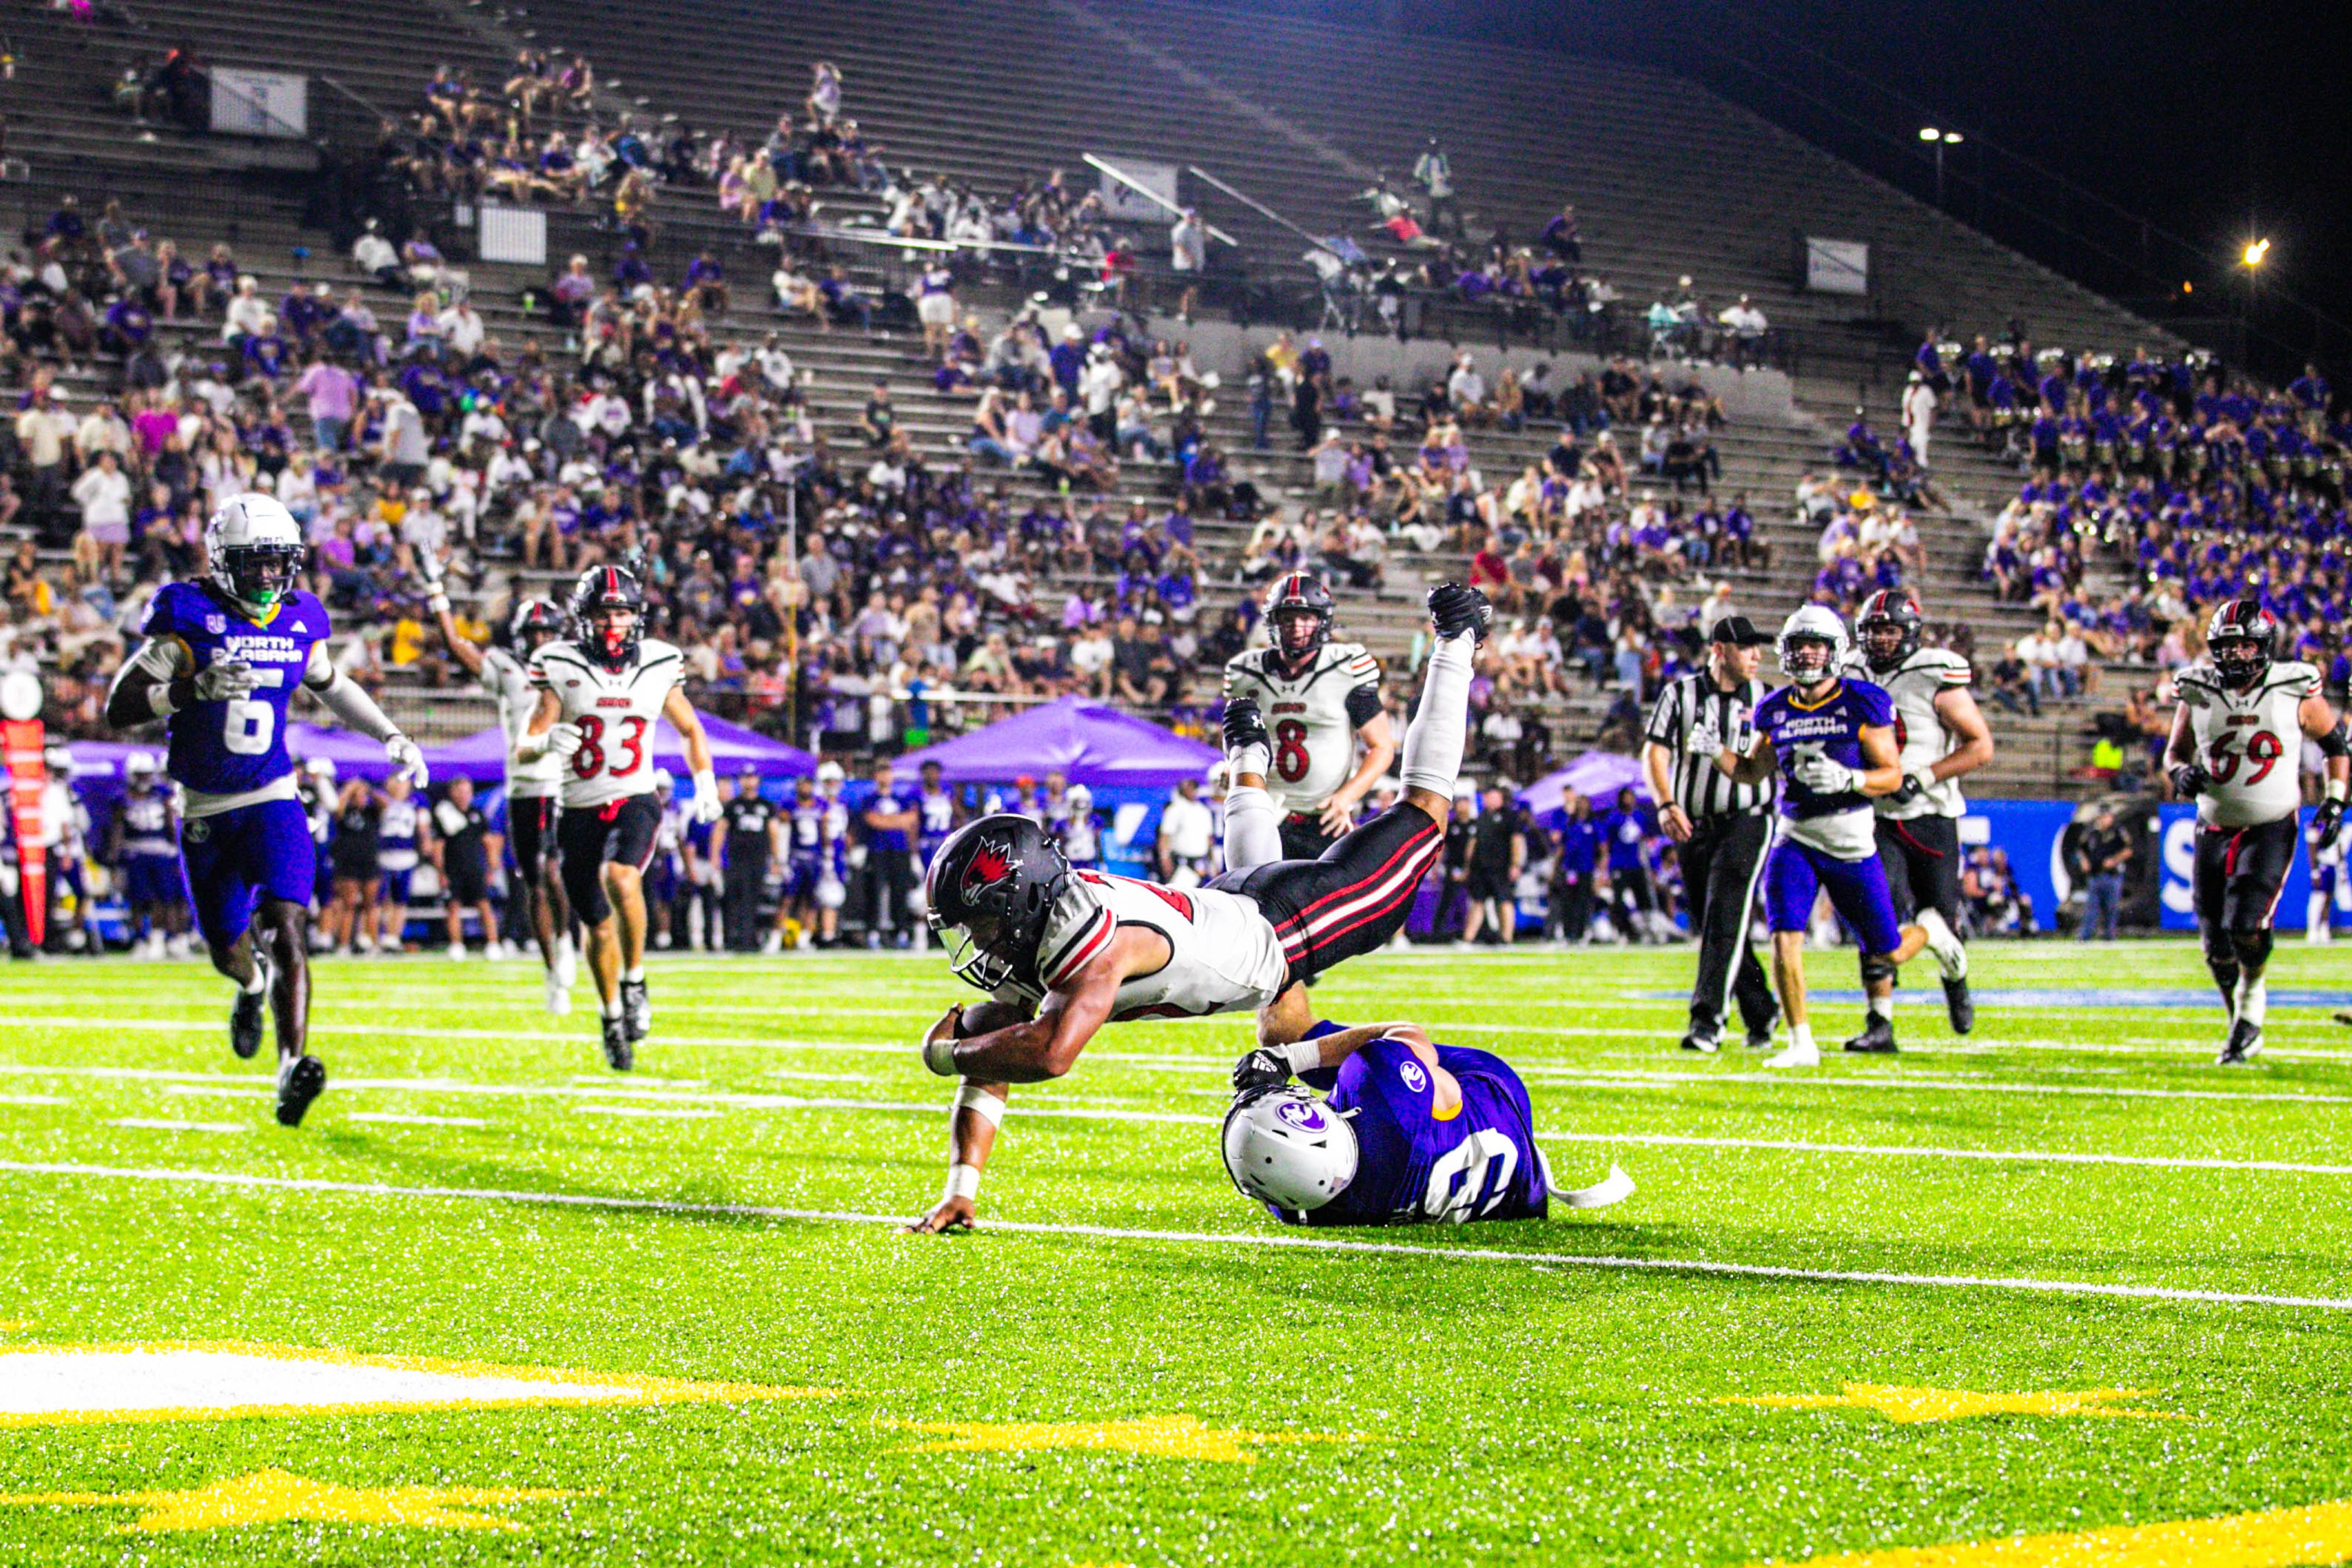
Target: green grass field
(2073, 1203)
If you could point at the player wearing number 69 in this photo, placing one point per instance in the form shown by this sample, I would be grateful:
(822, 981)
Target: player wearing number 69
(1318, 699)
(2237, 750)
(600, 693)
(222, 658)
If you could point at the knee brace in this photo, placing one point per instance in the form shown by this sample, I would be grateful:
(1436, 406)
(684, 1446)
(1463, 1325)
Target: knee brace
(2253, 948)
(2221, 947)
(1876, 966)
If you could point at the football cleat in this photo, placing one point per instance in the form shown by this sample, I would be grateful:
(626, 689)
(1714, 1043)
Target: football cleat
(1959, 1005)
(1795, 1055)
(300, 1081)
(1760, 1038)
(619, 1055)
(636, 1009)
(247, 1014)
(2245, 1041)
(1876, 1040)
(1706, 1044)
(1454, 609)
(1244, 725)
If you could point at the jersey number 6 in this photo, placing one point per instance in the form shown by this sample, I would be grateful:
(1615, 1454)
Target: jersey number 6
(590, 757)
(248, 726)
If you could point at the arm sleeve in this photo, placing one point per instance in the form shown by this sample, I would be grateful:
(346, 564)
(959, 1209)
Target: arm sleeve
(1364, 705)
(355, 707)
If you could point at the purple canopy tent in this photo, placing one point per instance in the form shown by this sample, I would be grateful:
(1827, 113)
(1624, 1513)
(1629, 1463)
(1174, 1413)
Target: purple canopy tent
(481, 756)
(1090, 743)
(1597, 775)
(354, 755)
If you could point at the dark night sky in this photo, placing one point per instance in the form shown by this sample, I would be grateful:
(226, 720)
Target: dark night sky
(2209, 120)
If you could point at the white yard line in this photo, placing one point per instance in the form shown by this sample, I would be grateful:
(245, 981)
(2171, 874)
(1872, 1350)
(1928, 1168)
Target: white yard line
(1205, 1238)
(1925, 1152)
(393, 1119)
(669, 1112)
(32, 1099)
(160, 1124)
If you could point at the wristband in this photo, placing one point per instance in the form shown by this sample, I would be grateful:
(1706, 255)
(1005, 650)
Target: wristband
(964, 1182)
(981, 1103)
(1303, 1056)
(2336, 789)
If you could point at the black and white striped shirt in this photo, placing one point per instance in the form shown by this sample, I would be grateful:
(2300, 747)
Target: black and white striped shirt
(1700, 787)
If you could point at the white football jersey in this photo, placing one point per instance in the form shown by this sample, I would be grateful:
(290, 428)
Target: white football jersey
(1226, 956)
(1920, 737)
(508, 678)
(2250, 741)
(1308, 721)
(616, 714)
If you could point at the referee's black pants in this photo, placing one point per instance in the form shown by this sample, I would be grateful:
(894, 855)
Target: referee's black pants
(1722, 864)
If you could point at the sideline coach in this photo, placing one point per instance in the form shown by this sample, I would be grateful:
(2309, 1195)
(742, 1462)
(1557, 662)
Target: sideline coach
(1720, 828)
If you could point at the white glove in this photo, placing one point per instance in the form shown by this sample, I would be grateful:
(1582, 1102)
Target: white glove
(1822, 776)
(409, 758)
(707, 803)
(1702, 741)
(436, 593)
(563, 740)
(226, 677)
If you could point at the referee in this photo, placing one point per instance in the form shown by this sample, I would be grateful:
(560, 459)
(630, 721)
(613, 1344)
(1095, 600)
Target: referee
(1721, 829)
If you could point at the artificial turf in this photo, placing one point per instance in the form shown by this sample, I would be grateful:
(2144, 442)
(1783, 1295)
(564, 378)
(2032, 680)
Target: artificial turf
(1084, 1393)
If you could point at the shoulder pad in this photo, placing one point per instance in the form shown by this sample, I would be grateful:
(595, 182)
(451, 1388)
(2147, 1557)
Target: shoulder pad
(1077, 929)
(1942, 662)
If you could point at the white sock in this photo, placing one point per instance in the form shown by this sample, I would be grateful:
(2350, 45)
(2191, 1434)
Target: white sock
(612, 1009)
(1881, 1006)
(1432, 742)
(1255, 759)
(2314, 919)
(2252, 1000)
(1252, 828)
(1800, 1037)
(258, 984)
(1951, 954)
(635, 976)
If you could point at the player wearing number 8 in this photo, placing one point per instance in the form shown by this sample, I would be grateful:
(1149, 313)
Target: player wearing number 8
(600, 693)
(1318, 699)
(2236, 750)
(222, 658)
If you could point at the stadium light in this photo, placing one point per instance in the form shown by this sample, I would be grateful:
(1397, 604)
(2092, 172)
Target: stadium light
(1937, 142)
(2255, 252)
(1929, 133)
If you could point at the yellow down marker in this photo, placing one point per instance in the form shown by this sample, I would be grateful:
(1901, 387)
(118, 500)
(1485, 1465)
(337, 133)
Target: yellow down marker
(1160, 1436)
(1914, 1405)
(2321, 1533)
(273, 1497)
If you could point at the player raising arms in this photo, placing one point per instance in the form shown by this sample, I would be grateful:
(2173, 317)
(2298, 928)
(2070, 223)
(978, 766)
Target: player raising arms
(1831, 739)
(2236, 749)
(222, 658)
(1940, 736)
(599, 696)
(1318, 699)
(1061, 953)
(1412, 1133)
(531, 786)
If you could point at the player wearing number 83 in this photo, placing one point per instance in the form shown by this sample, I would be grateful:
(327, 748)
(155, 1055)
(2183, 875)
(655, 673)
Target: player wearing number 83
(2236, 750)
(222, 658)
(600, 693)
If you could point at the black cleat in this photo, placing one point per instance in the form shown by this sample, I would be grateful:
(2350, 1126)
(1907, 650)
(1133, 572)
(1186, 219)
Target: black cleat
(2245, 1041)
(1244, 726)
(247, 1015)
(636, 1009)
(1960, 1004)
(620, 1054)
(1878, 1039)
(1454, 609)
(299, 1082)
(1706, 1044)
(1759, 1036)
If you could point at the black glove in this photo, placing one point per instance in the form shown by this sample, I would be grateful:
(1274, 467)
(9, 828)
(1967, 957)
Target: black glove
(2188, 779)
(1244, 725)
(1454, 609)
(1908, 793)
(2326, 821)
(1259, 1071)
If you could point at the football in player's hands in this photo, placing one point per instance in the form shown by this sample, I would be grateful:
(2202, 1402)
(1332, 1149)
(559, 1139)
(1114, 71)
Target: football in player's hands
(224, 678)
(565, 741)
(2188, 779)
(1258, 1071)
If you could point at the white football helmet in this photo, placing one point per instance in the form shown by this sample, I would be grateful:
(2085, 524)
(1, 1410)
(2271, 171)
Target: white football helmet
(829, 772)
(1813, 624)
(664, 779)
(138, 767)
(1287, 1148)
(1080, 797)
(253, 547)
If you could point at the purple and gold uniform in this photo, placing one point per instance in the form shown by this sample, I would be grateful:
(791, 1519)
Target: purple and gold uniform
(1827, 841)
(1413, 1168)
(243, 834)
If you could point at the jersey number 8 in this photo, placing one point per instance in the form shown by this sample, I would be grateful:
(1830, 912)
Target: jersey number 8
(1290, 750)
(590, 757)
(2262, 749)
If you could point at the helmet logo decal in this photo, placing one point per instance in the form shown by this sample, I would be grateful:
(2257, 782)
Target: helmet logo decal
(991, 863)
(1304, 1115)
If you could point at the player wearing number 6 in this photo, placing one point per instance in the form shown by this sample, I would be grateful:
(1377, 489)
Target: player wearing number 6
(599, 695)
(1317, 699)
(222, 658)
(2236, 750)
